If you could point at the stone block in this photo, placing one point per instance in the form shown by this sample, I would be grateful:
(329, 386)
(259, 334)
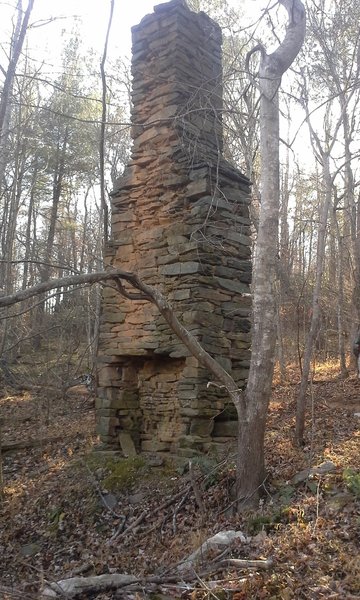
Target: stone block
(232, 286)
(113, 316)
(190, 372)
(128, 423)
(198, 188)
(192, 441)
(101, 403)
(106, 411)
(180, 352)
(128, 401)
(235, 324)
(154, 446)
(225, 429)
(187, 452)
(179, 295)
(105, 426)
(127, 445)
(190, 412)
(240, 374)
(201, 427)
(180, 268)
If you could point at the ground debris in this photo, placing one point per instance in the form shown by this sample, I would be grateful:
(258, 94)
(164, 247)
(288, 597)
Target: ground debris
(305, 534)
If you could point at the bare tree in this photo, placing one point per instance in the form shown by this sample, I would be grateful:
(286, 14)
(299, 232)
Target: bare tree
(323, 149)
(252, 410)
(17, 45)
(103, 203)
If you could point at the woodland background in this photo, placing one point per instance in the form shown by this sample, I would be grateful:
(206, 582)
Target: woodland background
(65, 139)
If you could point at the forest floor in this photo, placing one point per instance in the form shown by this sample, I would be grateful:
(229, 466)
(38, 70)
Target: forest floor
(67, 510)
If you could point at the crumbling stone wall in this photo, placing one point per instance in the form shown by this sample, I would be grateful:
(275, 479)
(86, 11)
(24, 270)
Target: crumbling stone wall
(180, 220)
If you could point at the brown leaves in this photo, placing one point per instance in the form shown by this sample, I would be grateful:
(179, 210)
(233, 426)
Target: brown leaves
(310, 529)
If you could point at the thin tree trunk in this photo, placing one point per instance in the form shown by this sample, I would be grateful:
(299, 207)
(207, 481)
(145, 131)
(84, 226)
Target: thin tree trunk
(280, 341)
(17, 43)
(46, 269)
(27, 255)
(340, 311)
(10, 73)
(315, 317)
(57, 189)
(104, 206)
(250, 460)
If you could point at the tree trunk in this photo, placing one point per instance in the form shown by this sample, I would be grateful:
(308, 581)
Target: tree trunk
(250, 460)
(315, 317)
(28, 253)
(10, 73)
(58, 178)
(340, 311)
(103, 204)
(250, 470)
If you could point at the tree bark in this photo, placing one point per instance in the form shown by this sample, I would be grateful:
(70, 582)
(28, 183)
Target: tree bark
(250, 460)
(103, 203)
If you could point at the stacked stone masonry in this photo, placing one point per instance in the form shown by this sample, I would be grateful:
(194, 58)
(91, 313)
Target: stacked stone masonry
(180, 220)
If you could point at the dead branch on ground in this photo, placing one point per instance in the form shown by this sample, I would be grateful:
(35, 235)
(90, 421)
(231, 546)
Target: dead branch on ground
(76, 586)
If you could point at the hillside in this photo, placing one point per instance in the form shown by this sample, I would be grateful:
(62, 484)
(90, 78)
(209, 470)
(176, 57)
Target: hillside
(69, 511)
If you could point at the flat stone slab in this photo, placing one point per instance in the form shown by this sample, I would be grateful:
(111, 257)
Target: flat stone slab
(127, 445)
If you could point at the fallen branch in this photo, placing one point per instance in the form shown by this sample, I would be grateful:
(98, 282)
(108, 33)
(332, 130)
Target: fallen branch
(147, 293)
(15, 446)
(240, 563)
(119, 533)
(75, 586)
(70, 588)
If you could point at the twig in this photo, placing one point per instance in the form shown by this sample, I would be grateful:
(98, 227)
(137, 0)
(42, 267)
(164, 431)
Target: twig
(317, 502)
(205, 587)
(247, 564)
(137, 522)
(119, 533)
(177, 508)
(220, 556)
(21, 595)
(1, 462)
(44, 581)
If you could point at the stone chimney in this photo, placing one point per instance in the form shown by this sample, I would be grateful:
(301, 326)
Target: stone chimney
(180, 220)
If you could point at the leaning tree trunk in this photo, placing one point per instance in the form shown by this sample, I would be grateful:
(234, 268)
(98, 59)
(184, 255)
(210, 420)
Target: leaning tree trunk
(250, 462)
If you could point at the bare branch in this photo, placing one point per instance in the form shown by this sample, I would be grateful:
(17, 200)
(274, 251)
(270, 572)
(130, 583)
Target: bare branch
(146, 293)
(52, 284)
